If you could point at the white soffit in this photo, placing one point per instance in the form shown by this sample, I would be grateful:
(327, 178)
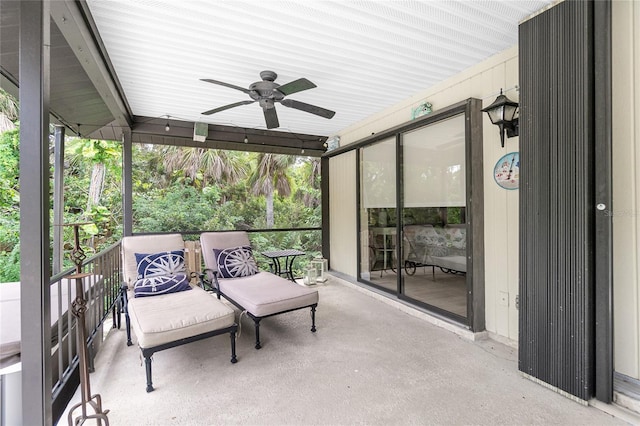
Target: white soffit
(364, 56)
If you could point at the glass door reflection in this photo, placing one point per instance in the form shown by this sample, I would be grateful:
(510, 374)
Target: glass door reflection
(434, 234)
(378, 224)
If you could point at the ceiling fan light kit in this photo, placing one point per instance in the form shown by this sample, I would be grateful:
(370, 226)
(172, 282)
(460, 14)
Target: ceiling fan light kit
(267, 92)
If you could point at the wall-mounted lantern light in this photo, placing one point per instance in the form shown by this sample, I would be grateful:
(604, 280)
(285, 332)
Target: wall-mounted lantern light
(502, 113)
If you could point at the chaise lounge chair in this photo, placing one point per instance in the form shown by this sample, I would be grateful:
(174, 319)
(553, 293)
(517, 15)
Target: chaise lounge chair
(232, 272)
(160, 305)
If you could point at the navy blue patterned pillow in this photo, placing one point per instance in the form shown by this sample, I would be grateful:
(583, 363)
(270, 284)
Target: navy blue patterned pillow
(157, 264)
(153, 286)
(235, 262)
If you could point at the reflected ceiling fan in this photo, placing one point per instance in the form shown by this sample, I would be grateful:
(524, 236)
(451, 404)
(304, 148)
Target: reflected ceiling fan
(267, 92)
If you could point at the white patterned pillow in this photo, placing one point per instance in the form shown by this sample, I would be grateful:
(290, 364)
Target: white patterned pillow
(159, 264)
(164, 284)
(235, 262)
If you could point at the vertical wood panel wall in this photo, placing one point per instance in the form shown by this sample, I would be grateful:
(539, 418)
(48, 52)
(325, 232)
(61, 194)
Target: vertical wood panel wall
(342, 213)
(556, 198)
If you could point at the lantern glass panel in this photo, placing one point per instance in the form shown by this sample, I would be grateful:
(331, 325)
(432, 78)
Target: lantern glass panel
(496, 115)
(319, 265)
(509, 112)
(310, 275)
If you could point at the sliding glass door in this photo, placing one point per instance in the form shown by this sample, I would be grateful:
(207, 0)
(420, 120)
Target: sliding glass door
(378, 227)
(434, 231)
(413, 216)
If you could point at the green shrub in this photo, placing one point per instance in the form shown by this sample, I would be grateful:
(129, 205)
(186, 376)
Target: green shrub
(10, 265)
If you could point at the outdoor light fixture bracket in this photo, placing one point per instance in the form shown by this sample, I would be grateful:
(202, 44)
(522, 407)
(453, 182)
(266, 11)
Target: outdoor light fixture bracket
(502, 112)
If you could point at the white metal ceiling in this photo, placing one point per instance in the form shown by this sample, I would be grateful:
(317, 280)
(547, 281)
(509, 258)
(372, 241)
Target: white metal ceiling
(363, 55)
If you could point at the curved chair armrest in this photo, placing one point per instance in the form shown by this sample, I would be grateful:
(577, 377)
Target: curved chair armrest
(207, 284)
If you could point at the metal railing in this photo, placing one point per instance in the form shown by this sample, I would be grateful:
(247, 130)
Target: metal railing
(101, 289)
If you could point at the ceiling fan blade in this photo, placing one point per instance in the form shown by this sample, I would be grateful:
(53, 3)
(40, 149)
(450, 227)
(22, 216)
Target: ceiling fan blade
(295, 86)
(222, 108)
(308, 108)
(271, 118)
(222, 83)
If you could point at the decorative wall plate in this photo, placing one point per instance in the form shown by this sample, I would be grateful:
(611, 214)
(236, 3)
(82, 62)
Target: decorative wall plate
(507, 171)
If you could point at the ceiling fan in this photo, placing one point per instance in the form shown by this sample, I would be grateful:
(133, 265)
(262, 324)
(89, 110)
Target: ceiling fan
(267, 92)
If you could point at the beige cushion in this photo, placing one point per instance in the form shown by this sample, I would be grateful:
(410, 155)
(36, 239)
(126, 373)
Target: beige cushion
(261, 294)
(145, 244)
(170, 317)
(220, 240)
(265, 293)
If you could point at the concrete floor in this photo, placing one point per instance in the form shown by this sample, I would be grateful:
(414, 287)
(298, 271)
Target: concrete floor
(369, 363)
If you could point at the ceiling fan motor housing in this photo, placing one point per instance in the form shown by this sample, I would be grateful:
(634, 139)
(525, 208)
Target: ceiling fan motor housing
(265, 90)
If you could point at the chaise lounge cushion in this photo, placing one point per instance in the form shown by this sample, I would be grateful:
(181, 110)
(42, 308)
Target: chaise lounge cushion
(171, 317)
(265, 293)
(261, 294)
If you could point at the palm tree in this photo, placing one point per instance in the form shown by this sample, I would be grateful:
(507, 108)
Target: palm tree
(206, 164)
(270, 176)
(9, 111)
(310, 198)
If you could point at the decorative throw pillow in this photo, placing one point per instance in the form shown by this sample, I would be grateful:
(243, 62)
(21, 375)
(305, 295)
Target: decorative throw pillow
(157, 264)
(235, 262)
(153, 286)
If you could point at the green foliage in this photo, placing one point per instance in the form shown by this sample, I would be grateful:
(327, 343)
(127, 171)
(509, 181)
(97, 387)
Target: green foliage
(106, 216)
(96, 151)
(9, 206)
(178, 208)
(10, 265)
(9, 173)
(174, 190)
(309, 242)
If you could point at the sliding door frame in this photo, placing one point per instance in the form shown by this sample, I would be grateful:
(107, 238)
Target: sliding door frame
(471, 108)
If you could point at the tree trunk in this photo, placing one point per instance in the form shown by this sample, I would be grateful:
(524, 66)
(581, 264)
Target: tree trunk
(269, 200)
(96, 185)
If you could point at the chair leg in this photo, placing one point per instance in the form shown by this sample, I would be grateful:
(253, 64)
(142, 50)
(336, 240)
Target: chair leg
(233, 347)
(115, 314)
(257, 321)
(127, 320)
(313, 318)
(147, 364)
(128, 326)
